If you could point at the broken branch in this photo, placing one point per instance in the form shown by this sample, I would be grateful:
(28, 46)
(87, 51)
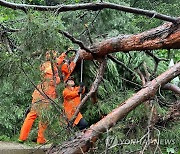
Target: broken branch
(89, 6)
(85, 140)
(74, 40)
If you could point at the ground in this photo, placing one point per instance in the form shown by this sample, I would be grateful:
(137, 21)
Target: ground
(16, 148)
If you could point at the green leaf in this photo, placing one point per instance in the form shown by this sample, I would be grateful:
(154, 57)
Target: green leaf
(170, 150)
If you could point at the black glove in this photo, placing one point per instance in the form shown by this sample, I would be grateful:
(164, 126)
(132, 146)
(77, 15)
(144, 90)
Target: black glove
(81, 84)
(81, 88)
(27, 111)
(67, 61)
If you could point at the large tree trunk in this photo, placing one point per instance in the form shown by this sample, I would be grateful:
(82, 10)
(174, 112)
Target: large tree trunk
(85, 140)
(166, 36)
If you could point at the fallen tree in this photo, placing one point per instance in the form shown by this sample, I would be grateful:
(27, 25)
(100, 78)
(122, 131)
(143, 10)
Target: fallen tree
(83, 142)
(166, 36)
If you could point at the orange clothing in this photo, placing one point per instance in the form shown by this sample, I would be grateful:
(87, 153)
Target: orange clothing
(67, 69)
(27, 125)
(48, 87)
(71, 101)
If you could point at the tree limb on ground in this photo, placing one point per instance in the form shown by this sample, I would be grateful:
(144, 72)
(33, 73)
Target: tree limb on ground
(84, 141)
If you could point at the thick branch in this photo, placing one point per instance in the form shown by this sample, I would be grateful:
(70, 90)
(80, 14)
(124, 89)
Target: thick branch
(88, 6)
(141, 77)
(166, 36)
(84, 141)
(74, 40)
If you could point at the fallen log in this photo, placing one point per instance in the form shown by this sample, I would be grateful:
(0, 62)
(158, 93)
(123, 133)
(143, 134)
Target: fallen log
(166, 36)
(83, 142)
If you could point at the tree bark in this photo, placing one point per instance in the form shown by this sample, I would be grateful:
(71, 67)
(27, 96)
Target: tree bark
(172, 87)
(88, 6)
(84, 141)
(166, 36)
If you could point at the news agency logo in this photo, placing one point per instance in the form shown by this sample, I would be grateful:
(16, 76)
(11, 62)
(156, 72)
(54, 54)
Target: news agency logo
(115, 141)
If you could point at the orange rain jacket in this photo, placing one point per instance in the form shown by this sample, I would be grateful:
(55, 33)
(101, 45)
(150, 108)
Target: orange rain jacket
(47, 87)
(71, 101)
(67, 69)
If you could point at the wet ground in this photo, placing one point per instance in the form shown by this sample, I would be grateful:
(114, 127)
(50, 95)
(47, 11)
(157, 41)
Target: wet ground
(16, 148)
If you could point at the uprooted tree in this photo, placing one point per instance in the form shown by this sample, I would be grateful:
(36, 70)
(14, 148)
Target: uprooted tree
(85, 140)
(166, 36)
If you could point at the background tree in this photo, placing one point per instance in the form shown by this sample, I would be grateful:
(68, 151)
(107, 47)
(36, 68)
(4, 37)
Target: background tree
(26, 36)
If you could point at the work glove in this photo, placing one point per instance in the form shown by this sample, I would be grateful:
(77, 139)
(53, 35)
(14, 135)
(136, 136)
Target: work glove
(81, 84)
(27, 111)
(81, 88)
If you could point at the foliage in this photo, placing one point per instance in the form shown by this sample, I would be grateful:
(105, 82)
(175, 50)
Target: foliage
(160, 6)
(39, 33)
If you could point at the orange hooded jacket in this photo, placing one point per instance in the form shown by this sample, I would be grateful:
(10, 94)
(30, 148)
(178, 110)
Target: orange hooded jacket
(71, 101)
(48, 86)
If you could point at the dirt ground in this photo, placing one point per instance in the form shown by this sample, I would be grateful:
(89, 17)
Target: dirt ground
(16, 148)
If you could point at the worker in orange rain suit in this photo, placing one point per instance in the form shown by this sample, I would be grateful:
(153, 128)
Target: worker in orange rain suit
(71, 96)
(40, 102)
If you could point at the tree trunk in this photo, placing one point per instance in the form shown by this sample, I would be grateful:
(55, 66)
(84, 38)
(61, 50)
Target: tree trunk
(166, 36)
(84, 141)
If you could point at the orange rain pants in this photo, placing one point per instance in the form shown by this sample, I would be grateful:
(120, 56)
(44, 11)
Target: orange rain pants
(71, 101)
(47, 87)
